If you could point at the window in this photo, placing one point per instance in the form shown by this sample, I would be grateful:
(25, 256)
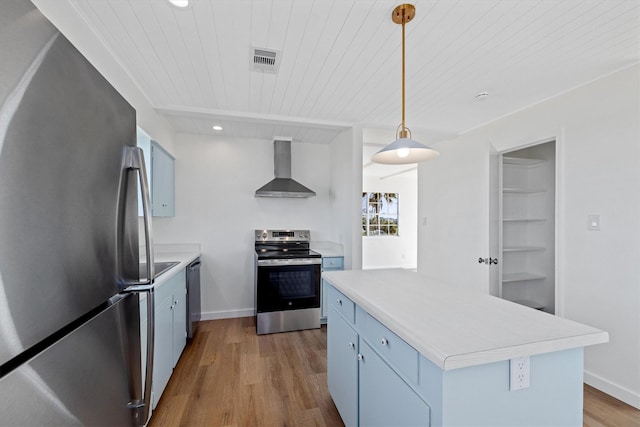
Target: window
(380, 214)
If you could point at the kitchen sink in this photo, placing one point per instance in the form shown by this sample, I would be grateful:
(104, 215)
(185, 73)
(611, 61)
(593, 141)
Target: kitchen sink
(159, 268)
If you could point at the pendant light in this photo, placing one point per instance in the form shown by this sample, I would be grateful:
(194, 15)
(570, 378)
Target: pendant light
(404, 150)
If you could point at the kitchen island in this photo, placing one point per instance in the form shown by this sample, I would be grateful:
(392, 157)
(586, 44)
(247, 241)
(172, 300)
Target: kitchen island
(404, 349)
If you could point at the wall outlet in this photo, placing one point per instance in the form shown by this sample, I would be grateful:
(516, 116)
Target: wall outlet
(519, 373)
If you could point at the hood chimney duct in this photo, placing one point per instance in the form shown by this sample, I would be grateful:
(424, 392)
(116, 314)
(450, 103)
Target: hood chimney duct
(283, 185)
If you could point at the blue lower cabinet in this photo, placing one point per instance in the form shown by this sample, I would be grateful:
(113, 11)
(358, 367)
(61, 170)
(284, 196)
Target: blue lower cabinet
(385, 399)
(366, 390)
(342, 367)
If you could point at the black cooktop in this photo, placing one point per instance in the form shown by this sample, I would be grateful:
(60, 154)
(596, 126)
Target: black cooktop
(286, 253)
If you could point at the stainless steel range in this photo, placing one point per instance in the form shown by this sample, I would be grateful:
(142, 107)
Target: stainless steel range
(287, 280)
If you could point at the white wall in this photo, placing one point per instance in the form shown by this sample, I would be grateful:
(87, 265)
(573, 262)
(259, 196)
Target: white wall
(346, 191)
(400, 251)
(216, 179)
(597, 128)
(453, 213)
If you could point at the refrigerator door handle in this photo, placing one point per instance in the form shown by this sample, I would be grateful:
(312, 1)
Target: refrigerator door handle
(144, 406)
(134, 160)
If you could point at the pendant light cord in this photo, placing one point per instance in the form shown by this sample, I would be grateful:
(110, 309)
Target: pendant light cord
(403, 22)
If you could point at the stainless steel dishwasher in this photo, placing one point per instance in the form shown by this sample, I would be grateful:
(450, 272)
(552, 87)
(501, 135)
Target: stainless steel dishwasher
(193, 297)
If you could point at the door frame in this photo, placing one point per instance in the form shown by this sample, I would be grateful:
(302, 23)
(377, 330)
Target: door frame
(495, 240)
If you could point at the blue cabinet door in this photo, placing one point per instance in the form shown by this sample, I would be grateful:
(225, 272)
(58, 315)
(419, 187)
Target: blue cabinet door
(328, 264)
(342, 367)
(385, 399)
(163, 348)
(178, 282)
(162, 181)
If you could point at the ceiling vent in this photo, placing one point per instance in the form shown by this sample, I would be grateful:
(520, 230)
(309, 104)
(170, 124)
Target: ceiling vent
(266, 59)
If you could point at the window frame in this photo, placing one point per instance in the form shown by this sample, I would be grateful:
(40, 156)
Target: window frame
(392, 219)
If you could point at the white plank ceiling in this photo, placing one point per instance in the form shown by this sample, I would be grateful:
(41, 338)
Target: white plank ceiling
(340, 60)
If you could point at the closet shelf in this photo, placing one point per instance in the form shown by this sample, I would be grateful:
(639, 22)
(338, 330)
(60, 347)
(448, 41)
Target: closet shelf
(521, 277)
(520, 190)
(531, 304)
(522, 248)
(521, 161)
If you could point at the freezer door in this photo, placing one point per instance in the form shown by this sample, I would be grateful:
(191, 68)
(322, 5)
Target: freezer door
(83, 379)
(65, 243)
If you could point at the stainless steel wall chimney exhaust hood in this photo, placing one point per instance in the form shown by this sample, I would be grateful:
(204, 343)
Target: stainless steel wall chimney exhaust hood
(282, 185)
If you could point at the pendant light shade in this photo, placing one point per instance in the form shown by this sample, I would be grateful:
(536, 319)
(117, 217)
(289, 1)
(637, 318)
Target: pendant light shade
(404, 150)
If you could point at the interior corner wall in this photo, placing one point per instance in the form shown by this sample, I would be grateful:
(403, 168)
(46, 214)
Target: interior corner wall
(397, 251)
(65, 17)
(346, 192)
(216, 179)
(597, 131)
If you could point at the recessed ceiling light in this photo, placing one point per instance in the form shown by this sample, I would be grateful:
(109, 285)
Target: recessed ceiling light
(482, 96)
(217, 127)
(179, 3)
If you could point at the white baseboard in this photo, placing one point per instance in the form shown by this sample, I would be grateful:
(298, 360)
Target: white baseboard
(228, 314)
(621, 393)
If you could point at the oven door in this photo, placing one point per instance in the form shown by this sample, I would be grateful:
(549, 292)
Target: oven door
(290, 284)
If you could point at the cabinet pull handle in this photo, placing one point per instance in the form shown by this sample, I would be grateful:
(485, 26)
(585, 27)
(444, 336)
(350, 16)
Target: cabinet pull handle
(360, 357)
(352, 345)
(339, 301)
(384, 341)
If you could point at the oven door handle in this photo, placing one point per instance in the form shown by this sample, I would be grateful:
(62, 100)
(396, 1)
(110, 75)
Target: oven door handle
(292, 261)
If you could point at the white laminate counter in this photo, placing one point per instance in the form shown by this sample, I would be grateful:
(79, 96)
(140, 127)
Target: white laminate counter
(183, 254)
(453, 327)
(327, 249)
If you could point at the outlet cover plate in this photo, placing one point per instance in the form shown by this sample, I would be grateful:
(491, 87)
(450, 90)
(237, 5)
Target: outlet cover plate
(519, 373)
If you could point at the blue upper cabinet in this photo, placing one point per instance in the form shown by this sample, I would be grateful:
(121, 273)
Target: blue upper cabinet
(160, 175)
(162, 181)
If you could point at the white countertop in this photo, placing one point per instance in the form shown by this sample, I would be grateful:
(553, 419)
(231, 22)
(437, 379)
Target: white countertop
(454, 327)
(327, 249)
(184, 254)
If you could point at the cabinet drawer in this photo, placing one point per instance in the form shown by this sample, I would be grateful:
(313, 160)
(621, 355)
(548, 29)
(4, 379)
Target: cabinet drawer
(400, 355)
(342, 304)
(333, 263)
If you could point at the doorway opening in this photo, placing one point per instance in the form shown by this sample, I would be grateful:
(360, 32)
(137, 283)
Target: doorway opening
(389, 213)
(527, 213)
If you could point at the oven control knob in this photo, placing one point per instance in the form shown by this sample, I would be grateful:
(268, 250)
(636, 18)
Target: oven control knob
(264, 235)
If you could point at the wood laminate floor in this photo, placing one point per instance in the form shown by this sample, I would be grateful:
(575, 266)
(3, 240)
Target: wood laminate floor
(229, 376)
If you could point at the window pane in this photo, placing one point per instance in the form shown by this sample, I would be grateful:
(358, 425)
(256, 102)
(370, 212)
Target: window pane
(392, 205)
(380, 213)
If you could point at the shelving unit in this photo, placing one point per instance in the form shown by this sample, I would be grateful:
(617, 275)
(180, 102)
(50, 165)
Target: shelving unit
(527, 218)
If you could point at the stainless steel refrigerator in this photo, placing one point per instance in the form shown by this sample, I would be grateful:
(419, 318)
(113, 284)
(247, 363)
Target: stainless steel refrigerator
(70, 339)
